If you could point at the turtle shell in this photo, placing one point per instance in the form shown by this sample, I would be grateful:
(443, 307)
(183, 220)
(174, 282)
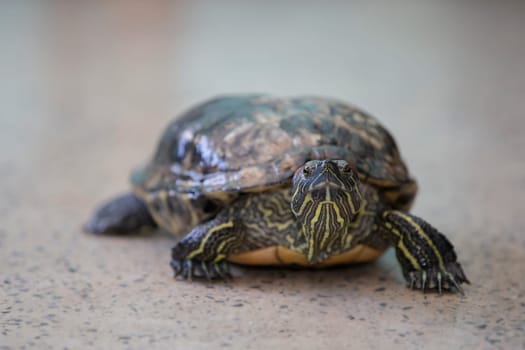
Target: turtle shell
(251, 143)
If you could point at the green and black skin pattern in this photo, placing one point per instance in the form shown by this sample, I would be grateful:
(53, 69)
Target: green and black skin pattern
(313, 175)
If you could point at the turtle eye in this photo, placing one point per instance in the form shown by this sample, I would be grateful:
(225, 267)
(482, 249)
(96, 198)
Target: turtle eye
(347, 169)
(307, 170)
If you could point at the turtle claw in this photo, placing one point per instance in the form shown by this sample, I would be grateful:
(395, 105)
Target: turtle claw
(448, 279)
(188, 268)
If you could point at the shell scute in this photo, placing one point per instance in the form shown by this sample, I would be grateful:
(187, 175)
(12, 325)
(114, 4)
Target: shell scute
(249, 143)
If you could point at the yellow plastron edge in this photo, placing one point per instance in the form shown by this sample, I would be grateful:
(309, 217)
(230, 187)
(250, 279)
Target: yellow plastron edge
(279, 255)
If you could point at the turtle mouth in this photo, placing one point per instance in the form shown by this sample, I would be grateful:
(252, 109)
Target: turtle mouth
(326, 175)
(325, 185)
(327, 189)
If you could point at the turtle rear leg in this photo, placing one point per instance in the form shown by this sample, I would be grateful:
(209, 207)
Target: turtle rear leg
(126, 213)
(427, 257)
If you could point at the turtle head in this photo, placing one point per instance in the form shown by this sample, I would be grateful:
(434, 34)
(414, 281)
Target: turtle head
(325, 199)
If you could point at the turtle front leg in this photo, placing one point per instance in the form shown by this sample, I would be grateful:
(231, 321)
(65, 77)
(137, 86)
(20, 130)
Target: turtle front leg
(426, 256)
(203, 251)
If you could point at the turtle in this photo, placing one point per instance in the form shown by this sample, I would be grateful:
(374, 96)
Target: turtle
(263, 180)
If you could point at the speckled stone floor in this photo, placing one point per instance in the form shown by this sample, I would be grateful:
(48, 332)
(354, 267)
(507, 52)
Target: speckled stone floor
(86, 89)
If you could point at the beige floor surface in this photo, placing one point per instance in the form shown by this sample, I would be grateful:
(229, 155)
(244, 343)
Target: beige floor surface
(86, 88)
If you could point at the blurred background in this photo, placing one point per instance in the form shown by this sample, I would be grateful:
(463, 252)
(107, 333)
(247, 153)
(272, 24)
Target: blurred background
(93, 83)
(87, 87)
(106, 72)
